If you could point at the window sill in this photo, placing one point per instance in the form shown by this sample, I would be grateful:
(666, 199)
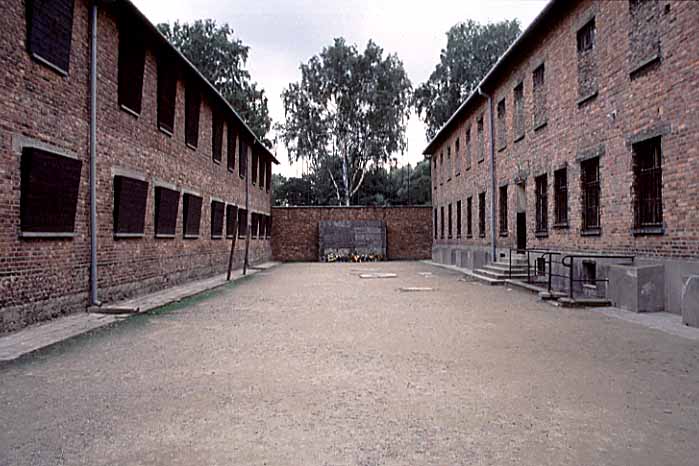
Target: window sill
(191, 236)
(45, 235)
(638, 69)
(231, 169)
(540, 125)
(242, 177)
(165, 131)
(50, 65)
(502, 148)
(481, 236)
(541, 234)
(164, 236)
(216, 236)
(458, 174)
(191, 146)
(217, 162)
(503, 234)
(591, 232)
(560, 226)
(230, 236)
(241, 236)
(481, 160)
(129, 111)
(587, 98)
(448, 179)
(648, 231)
(469, 236)
(128, 235)
(519, 138)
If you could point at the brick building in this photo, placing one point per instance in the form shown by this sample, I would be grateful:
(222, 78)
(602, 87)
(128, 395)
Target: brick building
(178, 173)
(583, 137)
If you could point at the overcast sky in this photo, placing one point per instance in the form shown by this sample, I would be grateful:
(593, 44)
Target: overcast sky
(284, 33)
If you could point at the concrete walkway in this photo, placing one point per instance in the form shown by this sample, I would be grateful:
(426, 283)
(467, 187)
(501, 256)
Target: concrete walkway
(49, 333)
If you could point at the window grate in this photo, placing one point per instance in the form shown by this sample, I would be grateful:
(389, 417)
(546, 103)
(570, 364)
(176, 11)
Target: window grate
(541, 204)
(469, 217)
(560, 182)
(590, 187)
(503, 211)
(648, 205)
(481, 215)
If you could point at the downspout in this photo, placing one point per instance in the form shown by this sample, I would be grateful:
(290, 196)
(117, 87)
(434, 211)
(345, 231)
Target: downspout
(247, 212)
(93, 156)
(493, 236)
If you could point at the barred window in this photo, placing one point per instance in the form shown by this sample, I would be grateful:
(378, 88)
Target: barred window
(560, 187)
(503, 211)
(587, 64)
(502, 124)
(518, 115)
(216, 136)
(231, 220)
(542, 205)
(253, 171)
(130, 197)
(217, 212)
(468, 147)
(457, 156)
(441, 210)
(49, 32)
(469, 217)
(191, 215)
(458, 219)
(586, 37)
(441, 167)
(231, 146)
(450, 221)
(539, 92)
(590, 189)
(167, 202)
(481, 140)
(243, 156)
(435, 224)
(192, 104)
(481, 215)
(132, 59)
(648, 184)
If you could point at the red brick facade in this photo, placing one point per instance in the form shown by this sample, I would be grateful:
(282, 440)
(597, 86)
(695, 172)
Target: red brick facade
(43, 277)
(599, 101)
(295, 230)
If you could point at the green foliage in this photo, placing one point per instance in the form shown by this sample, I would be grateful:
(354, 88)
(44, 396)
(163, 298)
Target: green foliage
(472, 49)
(221, 58)
(348, 111)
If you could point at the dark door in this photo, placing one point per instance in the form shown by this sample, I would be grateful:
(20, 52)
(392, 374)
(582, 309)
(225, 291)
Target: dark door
(521, 231)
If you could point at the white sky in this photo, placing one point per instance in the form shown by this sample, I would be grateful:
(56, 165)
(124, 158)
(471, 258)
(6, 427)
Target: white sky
(285, 33)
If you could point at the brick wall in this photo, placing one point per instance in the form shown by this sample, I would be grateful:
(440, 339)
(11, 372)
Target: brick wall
(295, 230)
(41, 278)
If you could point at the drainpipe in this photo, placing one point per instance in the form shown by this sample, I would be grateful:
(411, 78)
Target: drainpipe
(247, 211)
(493, 236)
(93, 156)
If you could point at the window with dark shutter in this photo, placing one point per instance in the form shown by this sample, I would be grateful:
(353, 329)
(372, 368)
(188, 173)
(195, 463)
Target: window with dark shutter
(469, 217)
(231, 146)
(262, 219)
(481, 140)
(216, 137)
(191, 215)
(242, 156)
(167, 92)
(167, 202)
(242, 223)
(457, 157)
(560, 186)
(231, 220)
(217, 212)
(468, 146)
(539, 114)
(253, 225)
(49, 193)
(458, 219)
(503, 211)
(542, 205)
(262, 171)
(269, 175)
(269, 226)
(481, 215)
(518, 114)
(132, 59)
(441, 226)
(192, 106)
(49, 32)
(130, 196)
(648, 186)
(590, 190)
(450, 220)
(253, 164)
(502, 125)
(436, 225)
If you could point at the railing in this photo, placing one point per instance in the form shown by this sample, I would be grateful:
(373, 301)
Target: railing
(570, 264)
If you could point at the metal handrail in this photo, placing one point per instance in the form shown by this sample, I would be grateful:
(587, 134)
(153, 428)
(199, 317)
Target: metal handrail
(571, 260)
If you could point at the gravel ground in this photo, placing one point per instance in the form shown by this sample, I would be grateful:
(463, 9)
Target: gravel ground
(309, 364)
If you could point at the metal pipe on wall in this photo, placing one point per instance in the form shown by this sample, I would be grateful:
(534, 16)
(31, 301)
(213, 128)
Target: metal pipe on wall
(491, 124)
(93, 156)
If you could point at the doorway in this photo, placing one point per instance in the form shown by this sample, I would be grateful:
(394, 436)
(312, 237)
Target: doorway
(521, 217)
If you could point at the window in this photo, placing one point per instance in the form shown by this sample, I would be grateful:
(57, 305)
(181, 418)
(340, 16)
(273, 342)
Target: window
(560, 206)
(503, 210)
(441, 166)
(191, 215)
(269, 177)
(518, 116)
(269, 226)
(231, 146)
(49, 193)
(481, 141)
(167, 92)
(132, 58)
(434, 173)
(589, 273)
(458, 219)
(435, 225)
(502, 125)
(450, 221)
(590, 187)
(644, 34)
(242, 223)
(541, 266)
(254, 222)
(469, 217)
(243, 156)
(542, 206)
(457, 156)
(130, 197)
(587, 66)
(449, 163)
(261, 161)
(481, 215)
(253, 171)
(442, 222)
(468, 147)
(539, 92)
(648, 186)
(49, 32)
(192, 104)
(167, 202)
(217, 211)
(216, 136)
(231, 219)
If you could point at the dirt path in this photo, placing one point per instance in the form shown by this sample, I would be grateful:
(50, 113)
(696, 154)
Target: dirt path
(311, 365)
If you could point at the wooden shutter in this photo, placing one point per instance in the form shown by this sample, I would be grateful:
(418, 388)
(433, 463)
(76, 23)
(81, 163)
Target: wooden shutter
(167, 203)
(192, 104)
(49, 31)
(269, 174)
(217, 211)
(242, 222)
(243, 155)
(132, 58)
(130, 197)
(191, 215)
(167, 92)
(231, 146)
(231, 220)
(49, 192)
(216, 136)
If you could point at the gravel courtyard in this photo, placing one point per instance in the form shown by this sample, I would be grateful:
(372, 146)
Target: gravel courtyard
(309, 364)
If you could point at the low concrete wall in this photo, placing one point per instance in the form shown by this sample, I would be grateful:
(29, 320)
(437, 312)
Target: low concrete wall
(295, 230)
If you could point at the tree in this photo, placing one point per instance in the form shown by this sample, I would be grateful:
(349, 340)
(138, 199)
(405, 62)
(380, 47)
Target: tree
(221, 58)
(349, 110)
(472, 49)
